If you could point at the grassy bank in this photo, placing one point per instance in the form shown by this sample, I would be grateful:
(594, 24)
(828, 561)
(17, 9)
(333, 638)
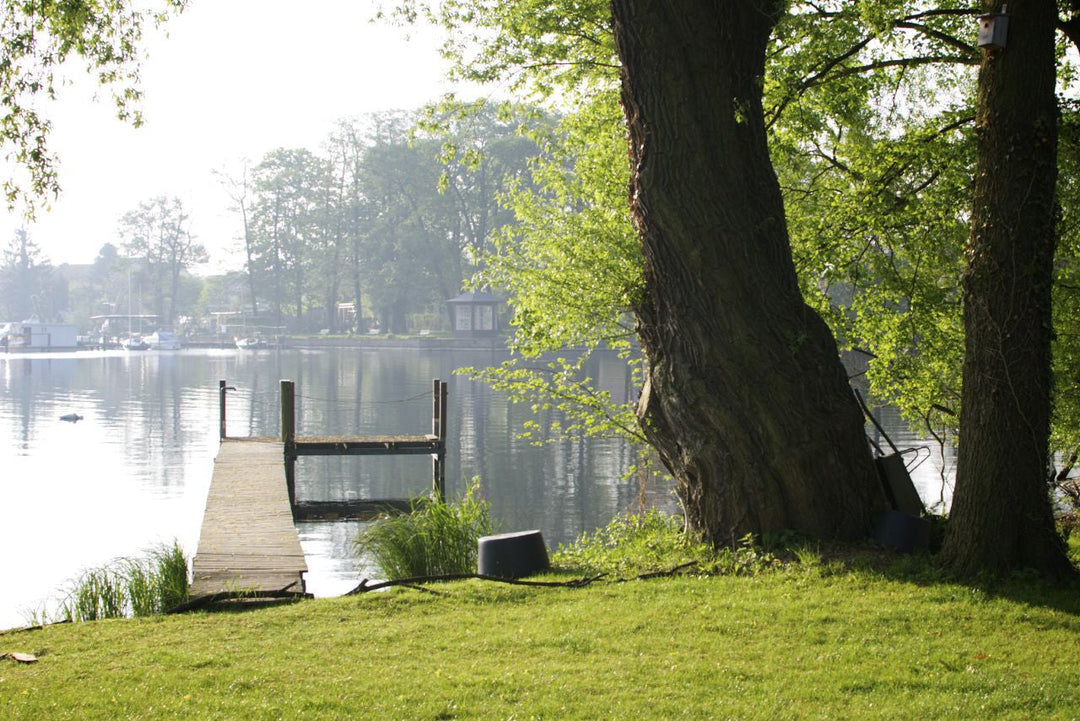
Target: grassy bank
(807, 642)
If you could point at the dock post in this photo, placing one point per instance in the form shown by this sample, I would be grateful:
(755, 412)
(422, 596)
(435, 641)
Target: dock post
(438, 429)
(288, 436)
(221, 409)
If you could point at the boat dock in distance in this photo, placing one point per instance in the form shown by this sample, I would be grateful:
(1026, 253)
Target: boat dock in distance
(248, 543)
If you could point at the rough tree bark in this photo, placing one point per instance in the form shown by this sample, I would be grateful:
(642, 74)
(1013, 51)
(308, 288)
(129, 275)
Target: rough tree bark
(1001, 516)
(746, 400)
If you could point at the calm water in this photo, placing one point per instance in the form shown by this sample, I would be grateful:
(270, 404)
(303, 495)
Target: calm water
(135, 471)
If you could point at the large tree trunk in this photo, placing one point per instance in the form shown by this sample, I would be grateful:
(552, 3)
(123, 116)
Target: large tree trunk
(746, 400)
(1001, 517)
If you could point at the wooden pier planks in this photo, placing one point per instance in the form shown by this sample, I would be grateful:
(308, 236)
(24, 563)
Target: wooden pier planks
(248, 540)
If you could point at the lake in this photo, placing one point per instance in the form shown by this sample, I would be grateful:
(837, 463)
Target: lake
(134, 472)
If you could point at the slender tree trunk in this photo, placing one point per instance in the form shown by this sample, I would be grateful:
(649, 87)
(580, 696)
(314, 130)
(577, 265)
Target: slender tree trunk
(746, 400)
(277, 270)
(358, 318)
(249, 250)
(174, 290)
(1001, 517)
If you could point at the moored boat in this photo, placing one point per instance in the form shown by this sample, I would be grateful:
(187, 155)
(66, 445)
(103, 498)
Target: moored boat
(134, 342)
(251, 343)
(163, 340)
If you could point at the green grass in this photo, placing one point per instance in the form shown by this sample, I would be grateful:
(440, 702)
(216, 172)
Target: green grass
(782, 634)
(637, 544)
(792, 644)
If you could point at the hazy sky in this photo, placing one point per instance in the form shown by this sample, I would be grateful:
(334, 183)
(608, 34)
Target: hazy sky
(233, 79)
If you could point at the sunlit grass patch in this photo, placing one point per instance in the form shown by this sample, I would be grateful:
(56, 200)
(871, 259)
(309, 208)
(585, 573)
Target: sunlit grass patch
(789, 644)
(753, 637)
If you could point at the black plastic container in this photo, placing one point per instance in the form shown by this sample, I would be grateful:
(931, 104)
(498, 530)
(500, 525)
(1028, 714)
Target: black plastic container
(512, 555)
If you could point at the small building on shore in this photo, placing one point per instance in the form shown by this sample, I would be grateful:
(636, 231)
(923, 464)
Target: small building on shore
(474, 314)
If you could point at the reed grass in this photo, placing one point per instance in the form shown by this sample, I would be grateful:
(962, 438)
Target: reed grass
(436, 537)
(143, 586)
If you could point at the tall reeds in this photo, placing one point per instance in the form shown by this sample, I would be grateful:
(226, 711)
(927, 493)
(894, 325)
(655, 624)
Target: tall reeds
(435, 538)
(127, 587)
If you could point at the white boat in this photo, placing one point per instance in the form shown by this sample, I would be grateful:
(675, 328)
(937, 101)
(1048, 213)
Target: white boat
(134, 342)
(251, 343)
(163, 340)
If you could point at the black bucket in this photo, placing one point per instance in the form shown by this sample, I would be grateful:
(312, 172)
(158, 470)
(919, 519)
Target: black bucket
(902, 532)
(512, 555)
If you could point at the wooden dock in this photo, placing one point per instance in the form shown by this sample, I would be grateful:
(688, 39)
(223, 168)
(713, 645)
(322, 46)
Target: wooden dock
(248, 541)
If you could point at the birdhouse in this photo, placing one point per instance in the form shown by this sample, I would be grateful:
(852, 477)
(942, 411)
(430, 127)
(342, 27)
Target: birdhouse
(993, 30)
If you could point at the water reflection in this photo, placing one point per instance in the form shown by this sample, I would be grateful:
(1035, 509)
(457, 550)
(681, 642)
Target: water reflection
(136, 470)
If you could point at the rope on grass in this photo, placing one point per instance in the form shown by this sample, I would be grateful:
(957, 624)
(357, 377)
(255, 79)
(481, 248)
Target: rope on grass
(35, 627)
(416, 583)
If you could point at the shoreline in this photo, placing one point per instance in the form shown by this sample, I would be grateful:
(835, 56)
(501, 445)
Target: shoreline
(496, 343)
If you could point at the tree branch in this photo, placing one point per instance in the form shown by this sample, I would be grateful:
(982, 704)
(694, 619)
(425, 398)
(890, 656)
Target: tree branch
(938, 35)
(413, 582)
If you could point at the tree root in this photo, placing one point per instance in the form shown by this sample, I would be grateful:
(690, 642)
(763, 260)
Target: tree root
(414, 582)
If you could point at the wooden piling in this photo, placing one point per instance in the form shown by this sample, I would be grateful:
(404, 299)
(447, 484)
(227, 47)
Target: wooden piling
(222, 389)
(438, 429)
(221, 409)
(288, 436)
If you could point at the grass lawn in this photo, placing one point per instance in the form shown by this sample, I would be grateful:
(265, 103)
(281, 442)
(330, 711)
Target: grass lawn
(811, 641)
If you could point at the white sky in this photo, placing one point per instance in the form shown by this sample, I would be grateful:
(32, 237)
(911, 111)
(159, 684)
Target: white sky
(233, 79)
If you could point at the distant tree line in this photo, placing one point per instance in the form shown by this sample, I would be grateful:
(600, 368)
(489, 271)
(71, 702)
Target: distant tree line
(28, 284)
(391, 217)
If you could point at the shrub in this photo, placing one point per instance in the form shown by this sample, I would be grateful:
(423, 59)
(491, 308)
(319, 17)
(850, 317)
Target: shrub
(435, 538)
(633, 545)
(157, 583)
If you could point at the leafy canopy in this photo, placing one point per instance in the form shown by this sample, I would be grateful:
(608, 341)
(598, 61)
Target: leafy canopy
(38, 38)
(870, 113)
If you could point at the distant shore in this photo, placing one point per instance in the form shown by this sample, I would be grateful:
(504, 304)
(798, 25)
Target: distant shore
(361, 342)
(381, 341)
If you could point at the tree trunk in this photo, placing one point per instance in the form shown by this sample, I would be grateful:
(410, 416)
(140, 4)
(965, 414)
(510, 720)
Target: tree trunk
(1001, 517)
(746, 400)
(249, 250)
